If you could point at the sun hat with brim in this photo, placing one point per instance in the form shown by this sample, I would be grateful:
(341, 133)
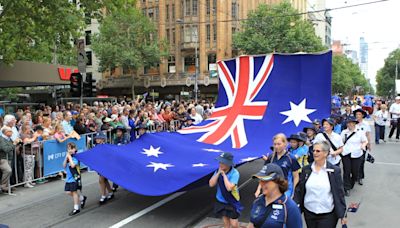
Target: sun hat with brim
(295, 137)
(100, 135)
(311, 127)
(303, 136)
(269, 172)
(397, 98)
(352, 119)
(329, 120)
(225, 158)
(360, 111)
(316, 121)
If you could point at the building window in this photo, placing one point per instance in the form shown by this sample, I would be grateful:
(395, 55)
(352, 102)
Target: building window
(212, 59)
(194, 8)
(89, 58)
(187, 34)
(195, 34)
(234, 10)
(208, 9)
(167, 13)
(173, 11)
(173, 36)
(214, 8)
(156, 13)
(208, 31)
(187, 8)
(171, 64)
(150, 13)
(88, 36)
(215, 31)
(168, 36)
(190, 66)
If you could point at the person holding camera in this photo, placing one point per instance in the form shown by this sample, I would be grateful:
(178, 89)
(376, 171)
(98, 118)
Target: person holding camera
(381, 117)
(395, 122)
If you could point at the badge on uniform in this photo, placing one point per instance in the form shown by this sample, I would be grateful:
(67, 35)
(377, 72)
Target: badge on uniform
(277, 206)
(330, 170)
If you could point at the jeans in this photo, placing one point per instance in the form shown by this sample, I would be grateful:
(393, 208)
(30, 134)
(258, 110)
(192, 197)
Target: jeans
(379, 133)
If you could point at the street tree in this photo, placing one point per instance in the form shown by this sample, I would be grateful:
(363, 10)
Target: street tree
(42, 31)
(385, 77)
(127, 39)
(347, 76)
(276, 28)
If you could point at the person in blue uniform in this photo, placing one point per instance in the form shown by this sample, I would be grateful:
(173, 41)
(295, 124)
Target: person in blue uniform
(286, 161)
(119, 139)
(226, 178)
(273, 209)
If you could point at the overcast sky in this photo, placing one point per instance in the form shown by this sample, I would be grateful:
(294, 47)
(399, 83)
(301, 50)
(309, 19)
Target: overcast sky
(378, 23)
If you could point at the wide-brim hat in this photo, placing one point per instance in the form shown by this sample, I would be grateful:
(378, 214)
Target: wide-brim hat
(269, 172)
(311, 127)
(100, 135)
(316, 121)
(295, 137)
(329, 120)
(303, 136)
(352, 119)
(225, 158)
(360, 111)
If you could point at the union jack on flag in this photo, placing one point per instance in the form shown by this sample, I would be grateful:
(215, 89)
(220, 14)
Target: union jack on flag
(241, 83)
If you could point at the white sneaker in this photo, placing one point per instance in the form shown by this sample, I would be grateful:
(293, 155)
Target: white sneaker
(27, 185)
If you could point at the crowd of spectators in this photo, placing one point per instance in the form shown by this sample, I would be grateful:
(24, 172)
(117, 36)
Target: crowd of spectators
(29, 127)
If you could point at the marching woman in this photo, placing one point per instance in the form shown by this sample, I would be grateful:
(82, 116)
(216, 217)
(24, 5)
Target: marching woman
(320, 191)
(355, 143)
(286, 161)
(333, 139)
(366, 129)
(273, 208)
(381, 117)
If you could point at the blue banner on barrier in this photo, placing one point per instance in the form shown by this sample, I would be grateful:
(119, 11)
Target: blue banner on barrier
(54, 154)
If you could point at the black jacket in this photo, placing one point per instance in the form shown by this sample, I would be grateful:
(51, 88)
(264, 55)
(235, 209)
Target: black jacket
(335, 179)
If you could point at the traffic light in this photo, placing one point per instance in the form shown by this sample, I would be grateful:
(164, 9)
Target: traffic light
(75, 84)
(89, 86)
(59, 93)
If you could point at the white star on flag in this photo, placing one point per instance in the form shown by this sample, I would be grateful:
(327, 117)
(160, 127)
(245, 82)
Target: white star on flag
(152, 151)
(248, 159)
(298, 113)
(158, 166)
(213, 150)
(199, 165)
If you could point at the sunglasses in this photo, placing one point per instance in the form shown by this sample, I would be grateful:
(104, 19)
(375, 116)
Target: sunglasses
(317, 151)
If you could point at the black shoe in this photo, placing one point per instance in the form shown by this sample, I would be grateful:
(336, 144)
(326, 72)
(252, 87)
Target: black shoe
(360, 182)
(114, 189)
(102, 201)
(83, 202)
(110, 197)
(74, 212)
(347, 193)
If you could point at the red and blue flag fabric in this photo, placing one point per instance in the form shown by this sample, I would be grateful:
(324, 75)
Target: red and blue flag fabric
(258, 97)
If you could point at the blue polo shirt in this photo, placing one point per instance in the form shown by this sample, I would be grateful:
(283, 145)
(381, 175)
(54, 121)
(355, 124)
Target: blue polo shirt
(70, 178)
(283, 212)
(287, 162)
(233, 177)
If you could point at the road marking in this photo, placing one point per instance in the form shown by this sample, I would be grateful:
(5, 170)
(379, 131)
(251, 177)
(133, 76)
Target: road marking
(387, 163)
(147, 210)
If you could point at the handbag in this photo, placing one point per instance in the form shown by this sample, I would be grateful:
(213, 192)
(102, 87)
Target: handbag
(370, 158)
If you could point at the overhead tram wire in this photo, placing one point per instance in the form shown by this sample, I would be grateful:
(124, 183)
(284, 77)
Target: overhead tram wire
(288, 15)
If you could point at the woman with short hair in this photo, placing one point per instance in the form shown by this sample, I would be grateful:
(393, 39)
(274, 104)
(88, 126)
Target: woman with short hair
(320, 191)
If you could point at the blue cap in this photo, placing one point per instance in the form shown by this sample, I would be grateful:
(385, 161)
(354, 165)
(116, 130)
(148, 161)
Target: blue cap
(269, 172)
(226, 158)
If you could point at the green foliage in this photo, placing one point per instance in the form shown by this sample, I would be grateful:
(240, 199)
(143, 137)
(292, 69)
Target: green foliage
(386, 75)
(9, 94)
(127, 39)
(346, 76)
(269, 29)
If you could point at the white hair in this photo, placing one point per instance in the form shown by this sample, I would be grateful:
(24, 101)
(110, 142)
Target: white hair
(4, 129)
(8, 118)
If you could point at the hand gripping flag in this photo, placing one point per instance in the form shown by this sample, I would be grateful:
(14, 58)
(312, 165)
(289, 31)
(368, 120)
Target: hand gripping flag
(258, 97)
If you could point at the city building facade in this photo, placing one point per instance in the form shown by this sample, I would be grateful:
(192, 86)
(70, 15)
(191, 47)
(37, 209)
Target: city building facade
(195, 30)
(321, 20)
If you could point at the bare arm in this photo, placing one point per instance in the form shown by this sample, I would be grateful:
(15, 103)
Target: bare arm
(229, 186)
(250, 225)
(295, 178)
(214, 179)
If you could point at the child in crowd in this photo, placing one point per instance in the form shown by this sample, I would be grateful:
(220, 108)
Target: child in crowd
(298, 148)
(73, 181)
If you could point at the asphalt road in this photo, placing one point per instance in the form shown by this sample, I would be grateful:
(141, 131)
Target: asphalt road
(46, 205)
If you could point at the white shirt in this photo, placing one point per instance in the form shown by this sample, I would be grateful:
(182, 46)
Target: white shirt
(395, 110)
(197, 118)
(336, 140)
(318, 198)
(353, 145)
(381, 117)
(363, 126)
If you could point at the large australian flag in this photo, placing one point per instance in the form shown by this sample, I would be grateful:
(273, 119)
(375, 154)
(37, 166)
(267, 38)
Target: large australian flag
(258, 97)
